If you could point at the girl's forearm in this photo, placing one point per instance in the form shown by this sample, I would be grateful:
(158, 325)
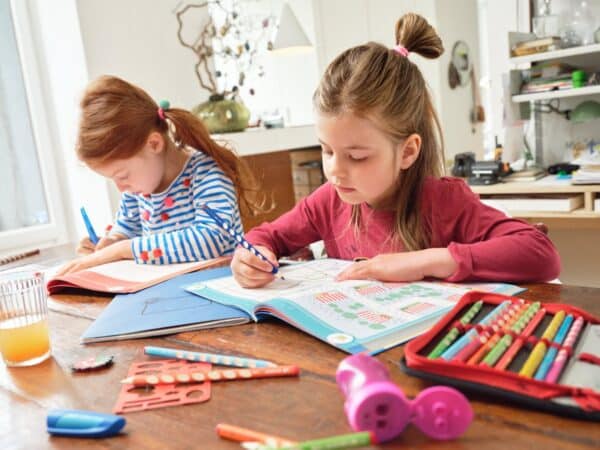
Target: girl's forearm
(438, 263)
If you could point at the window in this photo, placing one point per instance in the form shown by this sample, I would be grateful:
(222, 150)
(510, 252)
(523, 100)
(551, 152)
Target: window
(29, 199)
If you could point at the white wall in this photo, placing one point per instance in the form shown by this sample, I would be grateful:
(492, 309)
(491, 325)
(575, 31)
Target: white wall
(137, 40)
(456, 104)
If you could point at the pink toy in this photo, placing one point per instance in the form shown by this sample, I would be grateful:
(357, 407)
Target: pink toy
(374, 403)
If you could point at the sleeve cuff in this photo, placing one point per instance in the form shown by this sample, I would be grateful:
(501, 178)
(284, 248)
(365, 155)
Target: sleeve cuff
(462, 255)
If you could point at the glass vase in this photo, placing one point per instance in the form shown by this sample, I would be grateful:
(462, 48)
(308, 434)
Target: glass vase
(222, 115)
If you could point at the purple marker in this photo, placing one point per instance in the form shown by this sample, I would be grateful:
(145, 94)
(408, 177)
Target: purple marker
(374, 403)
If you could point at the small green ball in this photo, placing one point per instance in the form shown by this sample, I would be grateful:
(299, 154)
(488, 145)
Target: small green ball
(164, 104)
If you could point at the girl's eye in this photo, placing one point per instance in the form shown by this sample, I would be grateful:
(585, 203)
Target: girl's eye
(357, 158)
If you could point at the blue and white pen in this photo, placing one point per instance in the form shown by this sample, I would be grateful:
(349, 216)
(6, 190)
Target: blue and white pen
(224, 360)
(240, 239)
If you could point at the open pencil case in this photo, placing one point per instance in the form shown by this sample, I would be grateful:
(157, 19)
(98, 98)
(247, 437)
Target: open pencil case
(576, 389)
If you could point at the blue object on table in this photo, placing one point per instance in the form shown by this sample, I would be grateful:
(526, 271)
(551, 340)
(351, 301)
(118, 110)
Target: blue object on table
(88, 225)
(240, 239)
(166, 308)
(83, 424)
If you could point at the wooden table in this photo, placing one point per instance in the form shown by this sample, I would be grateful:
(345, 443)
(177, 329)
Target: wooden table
(298, 408)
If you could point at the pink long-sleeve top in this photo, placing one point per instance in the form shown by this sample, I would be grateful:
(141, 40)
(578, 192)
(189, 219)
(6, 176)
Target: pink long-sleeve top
(485, 243)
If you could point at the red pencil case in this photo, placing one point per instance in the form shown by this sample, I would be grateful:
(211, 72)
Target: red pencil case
(580, 402)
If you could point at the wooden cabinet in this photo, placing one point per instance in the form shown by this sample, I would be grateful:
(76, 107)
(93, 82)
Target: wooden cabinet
(274, 172)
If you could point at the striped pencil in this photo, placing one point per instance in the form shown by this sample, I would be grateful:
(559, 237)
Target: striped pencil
(481, 338)
(470, 335)
(453, 333)
(239, 238)
(541, 372)
(561, 357)
(504, 342)
(539, 350)
(516, 346)
(212, 375)
(487, 346)
(224, 360)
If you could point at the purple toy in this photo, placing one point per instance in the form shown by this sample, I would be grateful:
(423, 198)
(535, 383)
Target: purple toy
(374, 403)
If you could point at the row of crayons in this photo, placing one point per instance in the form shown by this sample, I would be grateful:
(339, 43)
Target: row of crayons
(494, 345)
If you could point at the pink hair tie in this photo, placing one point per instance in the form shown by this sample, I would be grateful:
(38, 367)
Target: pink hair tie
(401, 50)
(162, 105)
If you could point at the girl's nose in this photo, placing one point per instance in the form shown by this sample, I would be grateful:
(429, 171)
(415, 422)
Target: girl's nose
(333, 167)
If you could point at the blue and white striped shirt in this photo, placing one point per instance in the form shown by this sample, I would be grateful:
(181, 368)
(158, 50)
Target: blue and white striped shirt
(170, 227)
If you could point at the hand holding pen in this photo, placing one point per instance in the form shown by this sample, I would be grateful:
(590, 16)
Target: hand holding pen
(252, 266)
(91, 243)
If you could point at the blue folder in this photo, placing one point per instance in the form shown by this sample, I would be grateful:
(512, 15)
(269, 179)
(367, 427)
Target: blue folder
(165, 308)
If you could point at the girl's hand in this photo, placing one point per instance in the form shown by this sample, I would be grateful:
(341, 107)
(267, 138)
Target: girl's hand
(109, 240)
(408, 266)
(86, 246)
(249, 270)
(121, 250)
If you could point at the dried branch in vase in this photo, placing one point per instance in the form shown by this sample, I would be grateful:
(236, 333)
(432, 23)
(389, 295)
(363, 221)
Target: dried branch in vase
(233, 40)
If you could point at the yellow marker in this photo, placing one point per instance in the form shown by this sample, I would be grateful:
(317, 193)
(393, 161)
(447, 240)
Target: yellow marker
(538, 352)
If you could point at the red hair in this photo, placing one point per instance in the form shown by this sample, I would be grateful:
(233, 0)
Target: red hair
(117, 118)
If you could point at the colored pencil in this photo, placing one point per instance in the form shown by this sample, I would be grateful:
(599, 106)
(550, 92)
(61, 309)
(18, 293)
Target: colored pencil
(518, 344)
(224, 360)
(539, 350)
(561, 358)
(482, 337)
(470, 335)
(504, 342)
(454, 332)
(239, 237)
(240, 434)
(212, 375)
(541, 372)
(487, 346)
(360, 439)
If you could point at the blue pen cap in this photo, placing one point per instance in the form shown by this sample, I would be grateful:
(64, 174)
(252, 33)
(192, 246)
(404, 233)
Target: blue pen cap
(80, 423)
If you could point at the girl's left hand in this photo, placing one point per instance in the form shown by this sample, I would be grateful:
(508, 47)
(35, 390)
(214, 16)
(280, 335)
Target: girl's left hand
(407, 266)
(115, 252)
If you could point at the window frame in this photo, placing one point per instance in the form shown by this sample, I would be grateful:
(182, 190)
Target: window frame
(54, 232)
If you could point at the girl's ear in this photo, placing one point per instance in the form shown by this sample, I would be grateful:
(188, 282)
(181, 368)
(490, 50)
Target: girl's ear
(409, 150)
(155, 142)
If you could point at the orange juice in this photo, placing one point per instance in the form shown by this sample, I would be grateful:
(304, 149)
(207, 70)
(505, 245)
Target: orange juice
(24, 338)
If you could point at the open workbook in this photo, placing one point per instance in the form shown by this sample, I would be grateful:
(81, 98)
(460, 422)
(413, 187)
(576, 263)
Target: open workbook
(121, 277)
(354, 315)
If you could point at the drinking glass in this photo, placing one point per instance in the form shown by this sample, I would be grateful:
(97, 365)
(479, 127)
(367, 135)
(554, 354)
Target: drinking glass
(24, 336)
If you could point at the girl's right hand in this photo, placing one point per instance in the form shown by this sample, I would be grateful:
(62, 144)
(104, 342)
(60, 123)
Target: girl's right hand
(86, 246)
(249, 270)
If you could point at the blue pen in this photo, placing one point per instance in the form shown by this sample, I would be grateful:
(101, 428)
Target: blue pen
(83, 424)
(552, 351)
(237, 236)
(90, 229)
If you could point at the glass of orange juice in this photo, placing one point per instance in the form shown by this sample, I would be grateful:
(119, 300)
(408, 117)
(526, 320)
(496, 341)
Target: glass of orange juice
(24, 337)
